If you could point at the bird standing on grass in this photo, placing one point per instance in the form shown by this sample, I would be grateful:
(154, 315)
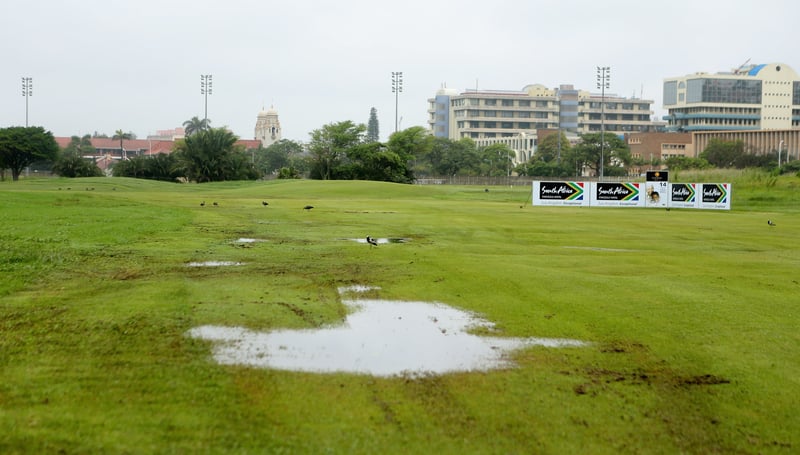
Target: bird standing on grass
(372, 241)
(264, 203)
(203, 204)
(771, 223)
(308, 207)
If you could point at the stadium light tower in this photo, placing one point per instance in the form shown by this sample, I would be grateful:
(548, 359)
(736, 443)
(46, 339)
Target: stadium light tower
(205, 90)
(603, 82)
(27, 92)
(397, 87)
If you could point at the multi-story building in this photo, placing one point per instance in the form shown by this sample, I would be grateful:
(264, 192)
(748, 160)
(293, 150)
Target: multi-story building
(513, 117)
(751, 97)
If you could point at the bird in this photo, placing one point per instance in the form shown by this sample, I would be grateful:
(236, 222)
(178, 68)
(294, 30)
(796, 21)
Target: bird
(203, 204)
(771, 223)
(308, 207)
(264, 203)
(215, 204)
(372, 241)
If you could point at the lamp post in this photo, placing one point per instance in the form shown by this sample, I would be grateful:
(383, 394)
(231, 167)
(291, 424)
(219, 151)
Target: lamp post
(27, 92)
(780, 148)
(603, 82)
(205, 90)
(397, 87)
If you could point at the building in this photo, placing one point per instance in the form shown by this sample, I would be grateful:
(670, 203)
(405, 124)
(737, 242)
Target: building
(513, 117)
(658, 146)
(268, 127)
(751, 97)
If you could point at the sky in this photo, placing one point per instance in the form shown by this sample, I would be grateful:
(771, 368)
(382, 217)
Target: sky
(135, 65)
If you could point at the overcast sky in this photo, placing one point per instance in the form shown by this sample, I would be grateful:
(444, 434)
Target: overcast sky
(135, 65)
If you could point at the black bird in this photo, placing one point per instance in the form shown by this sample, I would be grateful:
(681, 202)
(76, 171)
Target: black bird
(308, 207)
(771, 223)
(203, 204)
(215, 204)
(372, 241)
(264, 203)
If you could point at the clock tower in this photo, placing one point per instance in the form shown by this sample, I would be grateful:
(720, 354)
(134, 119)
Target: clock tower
(268, 127)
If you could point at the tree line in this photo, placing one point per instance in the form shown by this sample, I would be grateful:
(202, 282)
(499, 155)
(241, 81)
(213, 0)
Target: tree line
(349, 151)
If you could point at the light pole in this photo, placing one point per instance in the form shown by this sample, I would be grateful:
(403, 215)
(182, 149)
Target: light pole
(205, 90)
(780, 148)
(603, 82)
(27, 92)
(397, 87)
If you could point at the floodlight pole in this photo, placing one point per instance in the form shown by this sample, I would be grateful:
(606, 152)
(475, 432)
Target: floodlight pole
(397, 87)
(205, 90)
(603, 82)
(27, 92)
(780, 148)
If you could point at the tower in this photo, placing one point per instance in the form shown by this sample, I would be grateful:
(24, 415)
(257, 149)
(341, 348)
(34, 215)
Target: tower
(268, 127)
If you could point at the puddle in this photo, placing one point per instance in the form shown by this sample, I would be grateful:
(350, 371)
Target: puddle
(246, 240)
(610, 250)
(214, 264)
(382, 241)
(378, 337)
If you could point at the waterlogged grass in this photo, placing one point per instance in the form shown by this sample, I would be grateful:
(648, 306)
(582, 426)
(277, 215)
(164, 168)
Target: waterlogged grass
(692, 316)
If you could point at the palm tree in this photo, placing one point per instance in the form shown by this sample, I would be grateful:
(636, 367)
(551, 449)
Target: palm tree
(121, 135)
(195, 124)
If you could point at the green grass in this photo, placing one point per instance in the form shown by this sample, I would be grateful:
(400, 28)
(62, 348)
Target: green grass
(692, 316)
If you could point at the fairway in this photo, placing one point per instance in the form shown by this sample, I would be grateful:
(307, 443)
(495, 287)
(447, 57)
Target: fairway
(686, 319)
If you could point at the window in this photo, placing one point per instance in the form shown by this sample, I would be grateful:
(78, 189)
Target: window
(527, 103)
(507, 125)
(507, 114)
(490, 102)
(490, 113)
(508, 103)
(490, 124)
(528, 114)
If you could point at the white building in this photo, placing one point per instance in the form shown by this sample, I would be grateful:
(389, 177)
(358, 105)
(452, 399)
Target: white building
(751, 97)
(514, 117)
(268, 127)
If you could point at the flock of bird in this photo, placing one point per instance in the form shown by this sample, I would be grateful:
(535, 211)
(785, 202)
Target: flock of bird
(371, 241)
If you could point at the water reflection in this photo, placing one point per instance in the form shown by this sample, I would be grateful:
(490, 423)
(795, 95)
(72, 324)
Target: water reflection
(378, 337)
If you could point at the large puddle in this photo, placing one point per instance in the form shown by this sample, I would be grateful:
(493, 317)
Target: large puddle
(378, 337)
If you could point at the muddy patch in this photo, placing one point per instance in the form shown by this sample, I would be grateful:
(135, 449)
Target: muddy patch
(378, 337)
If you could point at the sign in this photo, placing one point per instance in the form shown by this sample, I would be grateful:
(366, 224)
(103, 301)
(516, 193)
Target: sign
(657, 176)
(683, 195)
(615, 194)
(657, 194)
(715, 196)
(560, 193)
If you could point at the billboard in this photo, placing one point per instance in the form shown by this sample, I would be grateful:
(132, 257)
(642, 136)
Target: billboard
(617, 194)
(715, 196)
(560, 193)
(683, 195)
(656, 194)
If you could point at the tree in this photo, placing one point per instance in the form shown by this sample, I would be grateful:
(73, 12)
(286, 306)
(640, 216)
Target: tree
(722, 153)
(210, 155)
(614, 154)
(22, 146)
(279, 155)
(373, 133)
(499, 158)
(329, 145)
(448, 157)
(195, 125)
(121, 135)
(552, 147)
(71, 162)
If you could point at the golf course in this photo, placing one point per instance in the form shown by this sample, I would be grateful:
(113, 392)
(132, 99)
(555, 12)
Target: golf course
(640, 330)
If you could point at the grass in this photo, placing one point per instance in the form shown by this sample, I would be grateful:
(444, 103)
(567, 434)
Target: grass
(692, 317)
